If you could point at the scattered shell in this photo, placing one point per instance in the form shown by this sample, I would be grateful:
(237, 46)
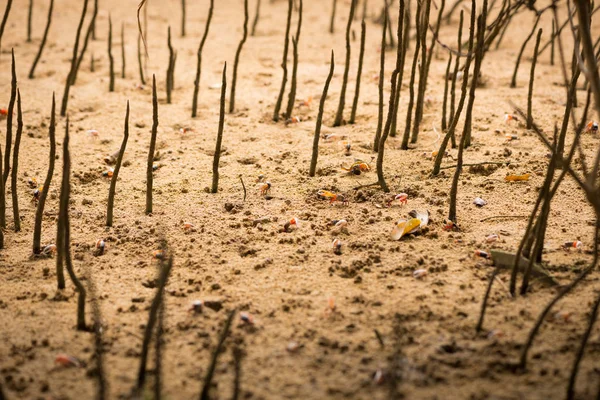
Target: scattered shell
(420, 273)
(479, 202)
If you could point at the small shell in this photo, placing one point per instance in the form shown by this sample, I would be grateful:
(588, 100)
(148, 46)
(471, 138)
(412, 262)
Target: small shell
(247, 318)
(491, 238)
(420, 273)
(378, 377)
(337, 246)
(479, 202)
(404, 227)
(495, 334)
(67, 361)
(292, 347)
(188, 226)
(340, 223)
(196, 306)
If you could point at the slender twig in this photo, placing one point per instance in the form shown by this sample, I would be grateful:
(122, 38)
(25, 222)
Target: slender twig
(332, 20)
(111, 78)
(479, 54)
(165, 270)
(15, 165)
(396, 84)
(100, 372)
(29, 20)
(9, 119)
(123, 65)
(256, 18)
(563, 292)
(315, 150)
(339, 116)
(139, 57)
(380, 87)
(210, 372)
(86, 40)
(485, 300)
(237, 59)
(513, 82)
(294, 79)
(284, 63)
(199, 60)
(405, 43)
(552, 43)
(217, 156)
(2, 198)
(43, 42)
(183, 18)
(237, 367)
(454, 78)
(423, 72)
(64, 211)
(581, 349)
(39, 214)
(4, 19)
(446, 85)
(243, 186)
(411, 85)
(113, 182)
(69, 80)
(359, 72)
(461, 102)
(149, 168)
(170, 71)
(531, 79)
(503, 217)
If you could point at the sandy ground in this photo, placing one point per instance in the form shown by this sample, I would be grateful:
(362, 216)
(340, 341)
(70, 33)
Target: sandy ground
(285, 280)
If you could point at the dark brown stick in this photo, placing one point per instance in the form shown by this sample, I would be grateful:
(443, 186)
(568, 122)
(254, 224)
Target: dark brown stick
(64, 210)
(2, 197)
(113, 182)
(86, 41)
(140, 64)
(485, 300)
(405, 43)
(217, 157)
(294, 79)
(9, 120)
(15, 165)
(531, 79)
(552, 43)
(43, 43)
(581, 349)
(339, 116)
(411, 85)
(332, 20)
(199, 60)
(396, 84)
(563, 292)
(455, 77)
(39, 214)
(149, 169)
(423, 71)
(237, 59)
(123, 65)
(111, 78)
(183, 18)
(446, 85)
(315, 150)
(171, 66)
(98, 329)
(69, 80)
(210, 372)
(29, 20)
(380, 88)
(165, 270)
(361, 57)
(284, 63)
(4, 19)
(513, 82)
(256, 18)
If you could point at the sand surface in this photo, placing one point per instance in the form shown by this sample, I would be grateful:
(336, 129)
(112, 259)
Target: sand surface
(286, 281)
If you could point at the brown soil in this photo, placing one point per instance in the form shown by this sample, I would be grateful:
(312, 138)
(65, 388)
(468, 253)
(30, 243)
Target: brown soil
(285, 280)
